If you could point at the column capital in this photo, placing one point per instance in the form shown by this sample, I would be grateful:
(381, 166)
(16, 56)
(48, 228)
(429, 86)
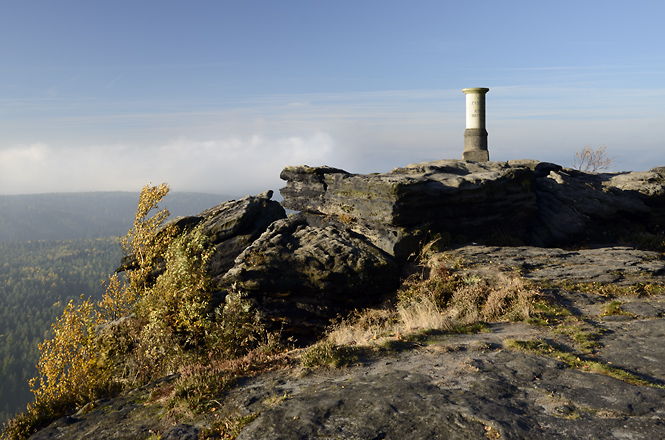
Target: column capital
(476, 90)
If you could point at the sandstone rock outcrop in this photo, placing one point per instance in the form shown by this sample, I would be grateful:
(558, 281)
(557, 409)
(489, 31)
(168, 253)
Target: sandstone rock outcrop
(353, 233)
(230, 226)
(234, 225)
(526, 201)
(300, 271)
(302, 274)
(345, 248)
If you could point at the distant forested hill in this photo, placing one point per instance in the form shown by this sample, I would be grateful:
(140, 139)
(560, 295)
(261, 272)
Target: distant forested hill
(70, 216)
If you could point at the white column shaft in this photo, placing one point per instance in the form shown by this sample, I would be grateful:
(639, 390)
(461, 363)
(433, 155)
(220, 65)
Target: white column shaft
(475, 107)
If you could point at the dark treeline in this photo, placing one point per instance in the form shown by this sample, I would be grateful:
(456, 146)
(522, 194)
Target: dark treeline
(69, 216)
(37, 280)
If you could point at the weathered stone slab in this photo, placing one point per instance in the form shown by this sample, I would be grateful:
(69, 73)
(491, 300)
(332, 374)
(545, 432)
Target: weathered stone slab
(456, 197)
(446, 190)
(635, 345)
(457, 393)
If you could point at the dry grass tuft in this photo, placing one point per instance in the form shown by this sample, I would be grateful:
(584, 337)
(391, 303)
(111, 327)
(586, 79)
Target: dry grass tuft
(362, 327)
(199, 384)
(506, 297)
(421, 314)
(439, 295)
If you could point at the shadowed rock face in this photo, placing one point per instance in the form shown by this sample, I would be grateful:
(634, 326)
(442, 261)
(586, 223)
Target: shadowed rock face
(234, 225)
(301, 275)
(532, 202)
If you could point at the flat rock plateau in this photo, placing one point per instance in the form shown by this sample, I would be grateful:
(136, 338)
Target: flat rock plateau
(455, 386)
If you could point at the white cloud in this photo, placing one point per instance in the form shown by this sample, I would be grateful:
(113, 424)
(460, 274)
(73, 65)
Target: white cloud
(237, 165)
(33, 153)
(22, 167)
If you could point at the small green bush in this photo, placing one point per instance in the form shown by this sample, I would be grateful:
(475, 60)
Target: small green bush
(236, 327)
(614, 308)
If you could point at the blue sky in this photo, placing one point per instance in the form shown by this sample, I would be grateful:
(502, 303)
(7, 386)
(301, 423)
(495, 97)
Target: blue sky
(219, 96)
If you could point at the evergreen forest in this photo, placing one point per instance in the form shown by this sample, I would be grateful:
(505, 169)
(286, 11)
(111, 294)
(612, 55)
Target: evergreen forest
(55, 248)
(37, 280)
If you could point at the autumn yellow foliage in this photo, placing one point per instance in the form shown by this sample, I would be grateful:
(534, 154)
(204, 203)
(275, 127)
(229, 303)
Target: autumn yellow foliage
(68, 368)
(87, 355)
(152, 321)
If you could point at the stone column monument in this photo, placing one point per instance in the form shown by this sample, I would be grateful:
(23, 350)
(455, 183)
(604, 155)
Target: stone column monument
(475, 135)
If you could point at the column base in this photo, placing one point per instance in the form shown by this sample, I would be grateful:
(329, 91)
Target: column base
(477, 155)
(475, 145)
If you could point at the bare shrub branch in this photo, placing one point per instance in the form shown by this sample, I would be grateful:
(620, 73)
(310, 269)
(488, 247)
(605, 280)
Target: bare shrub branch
(591, 160)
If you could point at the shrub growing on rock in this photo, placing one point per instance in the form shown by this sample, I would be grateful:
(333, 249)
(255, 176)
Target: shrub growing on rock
(152, 322)
(592, 160)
